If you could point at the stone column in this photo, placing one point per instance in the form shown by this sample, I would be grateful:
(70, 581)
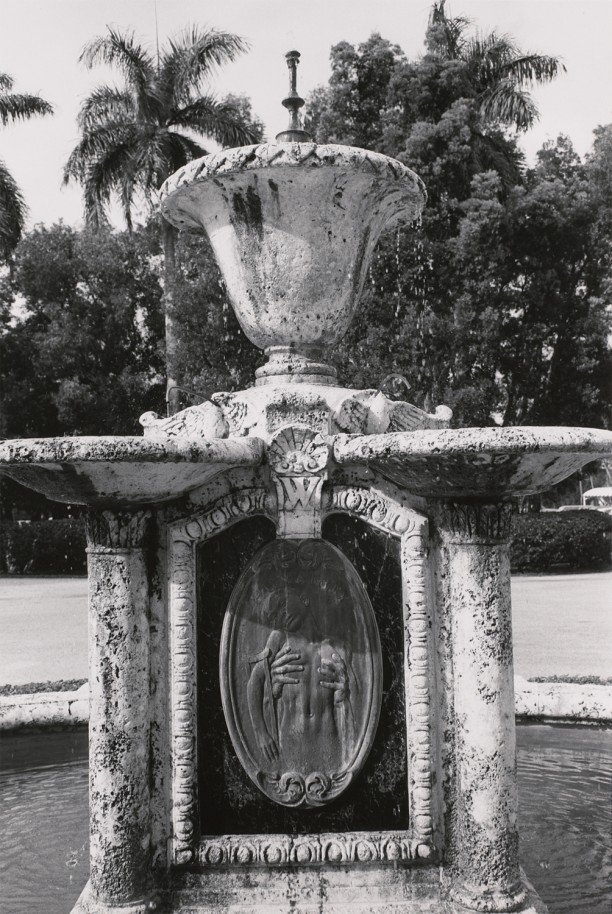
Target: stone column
(120, 833)
(482, 868)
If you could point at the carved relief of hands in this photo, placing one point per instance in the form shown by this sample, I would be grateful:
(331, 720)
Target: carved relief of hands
(284, 668)
(335, 676)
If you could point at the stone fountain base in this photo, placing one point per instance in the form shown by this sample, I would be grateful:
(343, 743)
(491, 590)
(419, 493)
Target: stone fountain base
(308, 890)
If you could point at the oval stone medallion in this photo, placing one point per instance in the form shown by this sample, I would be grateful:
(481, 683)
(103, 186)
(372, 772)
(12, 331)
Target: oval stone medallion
(301, 671)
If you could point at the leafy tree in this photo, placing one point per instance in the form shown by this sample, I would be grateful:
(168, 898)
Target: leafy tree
(135, 136)
(85, 355)
(472, 305)
(13, 107)
(349, 109)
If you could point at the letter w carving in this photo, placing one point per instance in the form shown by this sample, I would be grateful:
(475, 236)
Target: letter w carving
(299, 505)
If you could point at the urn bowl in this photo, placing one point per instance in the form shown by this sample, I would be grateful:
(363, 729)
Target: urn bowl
(293, 226)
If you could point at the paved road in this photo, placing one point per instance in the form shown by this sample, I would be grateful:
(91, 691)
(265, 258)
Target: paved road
(562, 624)
(43, 629)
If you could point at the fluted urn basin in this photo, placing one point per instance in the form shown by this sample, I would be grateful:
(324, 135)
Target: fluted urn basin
(293, 226)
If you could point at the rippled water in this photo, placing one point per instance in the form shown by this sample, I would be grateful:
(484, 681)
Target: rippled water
(44, 849)
(565, 796)
(565, 787)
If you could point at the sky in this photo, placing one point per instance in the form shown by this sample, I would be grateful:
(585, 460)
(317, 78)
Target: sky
(40, 43)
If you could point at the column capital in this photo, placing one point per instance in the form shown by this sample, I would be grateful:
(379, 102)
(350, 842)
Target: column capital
(475, 522)
(116, 531)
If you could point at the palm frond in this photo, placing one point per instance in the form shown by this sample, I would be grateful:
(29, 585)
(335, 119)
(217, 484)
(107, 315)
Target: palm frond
(14, 107)
(193, 57)
(215, 119)
(508, 104)
(109, 173)
(493, 152)
(448, 32)
(13, 212)
(105, 103)
(533, 68)
(96, 144)
(181, 149)
(132, 59)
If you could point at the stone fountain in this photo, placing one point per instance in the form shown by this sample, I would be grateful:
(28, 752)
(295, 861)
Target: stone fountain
(300, 667)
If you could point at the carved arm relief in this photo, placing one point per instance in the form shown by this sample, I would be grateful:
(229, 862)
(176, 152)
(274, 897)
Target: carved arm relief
(301, 671)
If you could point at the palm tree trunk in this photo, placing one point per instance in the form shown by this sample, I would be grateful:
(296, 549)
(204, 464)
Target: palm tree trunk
(169, 241)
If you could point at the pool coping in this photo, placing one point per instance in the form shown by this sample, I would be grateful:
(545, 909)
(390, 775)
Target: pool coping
(554, 701)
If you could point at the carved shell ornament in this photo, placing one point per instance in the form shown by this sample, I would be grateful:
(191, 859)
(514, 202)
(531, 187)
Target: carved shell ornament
(298, 451)
(300, 671)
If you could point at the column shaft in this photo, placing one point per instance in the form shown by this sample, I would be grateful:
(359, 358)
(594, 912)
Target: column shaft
(119, 709)
(483, 844)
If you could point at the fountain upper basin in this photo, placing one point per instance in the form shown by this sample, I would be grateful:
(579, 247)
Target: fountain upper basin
(293, 226)
(121, 470)
(442, 463)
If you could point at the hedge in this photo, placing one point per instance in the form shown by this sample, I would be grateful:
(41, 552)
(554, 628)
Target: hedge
(571, 540)
(43, 547)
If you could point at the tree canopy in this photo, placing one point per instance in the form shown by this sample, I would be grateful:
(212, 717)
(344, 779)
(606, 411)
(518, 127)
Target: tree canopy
(497, 303)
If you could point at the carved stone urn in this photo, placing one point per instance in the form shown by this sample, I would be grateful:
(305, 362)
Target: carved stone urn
(293, 227)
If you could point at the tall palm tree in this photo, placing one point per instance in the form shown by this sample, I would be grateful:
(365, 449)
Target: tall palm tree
(134, 136)
(499, 72)
(13, 210)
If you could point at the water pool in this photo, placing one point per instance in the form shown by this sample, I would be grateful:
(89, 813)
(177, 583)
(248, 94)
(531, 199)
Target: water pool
(565, 788)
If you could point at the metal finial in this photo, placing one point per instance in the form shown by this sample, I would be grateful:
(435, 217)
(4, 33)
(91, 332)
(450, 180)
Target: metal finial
(293, 102)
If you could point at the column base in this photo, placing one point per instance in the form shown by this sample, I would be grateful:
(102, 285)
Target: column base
(88, 904)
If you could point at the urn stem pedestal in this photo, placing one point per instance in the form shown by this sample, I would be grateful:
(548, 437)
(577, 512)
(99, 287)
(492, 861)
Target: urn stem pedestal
(482, 852)
(119, 709)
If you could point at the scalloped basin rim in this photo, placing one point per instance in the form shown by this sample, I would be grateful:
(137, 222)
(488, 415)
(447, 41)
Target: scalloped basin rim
(130, 449)
(122, 470)
(499, 441)
(476, 463)
(288, 155)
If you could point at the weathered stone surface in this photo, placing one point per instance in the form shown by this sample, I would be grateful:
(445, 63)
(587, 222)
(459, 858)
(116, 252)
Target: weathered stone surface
(121, 470)
(568, 701)
(301, 672)
(293, 227)
(45, 709)
(119, 722)
(476, 462)
(482, 868)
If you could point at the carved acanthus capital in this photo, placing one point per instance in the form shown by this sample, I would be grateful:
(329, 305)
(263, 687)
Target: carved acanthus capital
(112, 531)
(475, 522)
